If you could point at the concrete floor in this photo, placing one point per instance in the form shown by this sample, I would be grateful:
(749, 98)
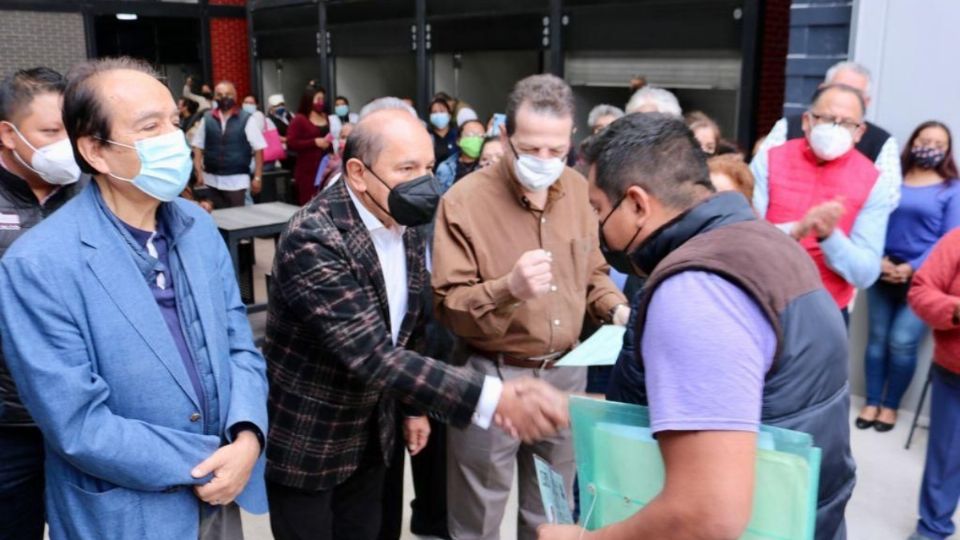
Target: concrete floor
(884, 504)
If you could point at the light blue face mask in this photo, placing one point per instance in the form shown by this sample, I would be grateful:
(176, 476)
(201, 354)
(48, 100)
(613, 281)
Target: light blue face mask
(440, 120)
(165, 164)
(250, 108)
(342, 110)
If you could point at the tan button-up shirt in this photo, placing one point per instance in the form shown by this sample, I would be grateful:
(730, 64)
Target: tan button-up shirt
(484, 224)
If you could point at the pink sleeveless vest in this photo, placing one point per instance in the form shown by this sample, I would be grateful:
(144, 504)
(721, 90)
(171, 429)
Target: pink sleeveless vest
(798, 181)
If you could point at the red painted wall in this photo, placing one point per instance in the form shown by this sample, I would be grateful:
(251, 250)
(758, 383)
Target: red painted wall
(229, 50)
(774, 40)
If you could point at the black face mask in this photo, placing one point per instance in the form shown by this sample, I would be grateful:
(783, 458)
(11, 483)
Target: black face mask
(226, 104)
(411, 203)
(618, 259)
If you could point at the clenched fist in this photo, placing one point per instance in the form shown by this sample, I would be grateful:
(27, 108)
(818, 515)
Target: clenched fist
(531, 276)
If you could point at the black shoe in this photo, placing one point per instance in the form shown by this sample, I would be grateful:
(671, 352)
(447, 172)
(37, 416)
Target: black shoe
(863, 423)
(882, 427)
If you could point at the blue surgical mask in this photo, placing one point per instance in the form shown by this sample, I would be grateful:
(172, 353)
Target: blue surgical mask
(342, 110)
(165, 164)
(440, 120)
(250, 107)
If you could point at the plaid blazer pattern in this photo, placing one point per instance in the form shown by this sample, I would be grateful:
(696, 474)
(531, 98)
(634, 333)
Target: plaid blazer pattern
(334, 373)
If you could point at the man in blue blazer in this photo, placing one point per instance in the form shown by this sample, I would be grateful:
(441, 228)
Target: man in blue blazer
(123, 329)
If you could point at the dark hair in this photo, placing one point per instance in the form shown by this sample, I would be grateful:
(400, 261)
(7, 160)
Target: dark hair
(306, 99)
(947, 168)
(444, 96)
(191, 105)
(341, 98)
(18, 90)
(441, 101)
(84, 113)
(255, 100)
(654, 151)
(843, 87)
(543, 93)
(726, 146)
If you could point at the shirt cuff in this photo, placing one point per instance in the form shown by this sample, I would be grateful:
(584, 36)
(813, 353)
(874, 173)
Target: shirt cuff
(787, 227)
(833, 246)
(487, 404)
(248, 426)
(499, 291)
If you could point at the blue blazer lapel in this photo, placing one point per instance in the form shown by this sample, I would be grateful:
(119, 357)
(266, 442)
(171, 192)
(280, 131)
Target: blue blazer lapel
(113, 266)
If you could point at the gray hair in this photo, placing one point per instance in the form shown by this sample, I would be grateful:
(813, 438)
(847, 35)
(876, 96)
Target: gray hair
(602, 110)
(544, 94)
(365, 142)
(386, 104)
(848, 65)
(664, 101)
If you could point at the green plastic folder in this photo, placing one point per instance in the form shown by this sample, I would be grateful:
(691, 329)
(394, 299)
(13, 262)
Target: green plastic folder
(601, 349)
(621, 471)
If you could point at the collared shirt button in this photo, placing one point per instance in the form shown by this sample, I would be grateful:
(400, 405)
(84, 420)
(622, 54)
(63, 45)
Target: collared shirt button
(195, 417)
(543, 220)
(553, 288)
(556, 322)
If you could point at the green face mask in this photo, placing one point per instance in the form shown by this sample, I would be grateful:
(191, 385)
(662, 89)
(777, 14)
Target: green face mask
(471, 146)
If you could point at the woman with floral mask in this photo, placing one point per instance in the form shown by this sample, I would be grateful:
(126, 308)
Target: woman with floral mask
(929, 208)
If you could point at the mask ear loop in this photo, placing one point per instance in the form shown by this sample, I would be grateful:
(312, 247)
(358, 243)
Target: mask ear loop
(108, 141)
(25, 141)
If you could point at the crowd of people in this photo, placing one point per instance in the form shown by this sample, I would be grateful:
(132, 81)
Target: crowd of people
(423, 295)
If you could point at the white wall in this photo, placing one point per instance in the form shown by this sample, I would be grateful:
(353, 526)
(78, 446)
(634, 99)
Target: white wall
(910, 47)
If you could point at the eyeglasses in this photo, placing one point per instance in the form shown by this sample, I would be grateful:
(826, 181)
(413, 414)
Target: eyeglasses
(849, 125)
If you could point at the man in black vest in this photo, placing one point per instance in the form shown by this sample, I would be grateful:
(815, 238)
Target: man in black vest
(875, 143)
(223, 148)
(733, 329)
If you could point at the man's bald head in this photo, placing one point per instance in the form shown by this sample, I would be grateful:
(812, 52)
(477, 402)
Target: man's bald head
(225, 89)
(382, 126)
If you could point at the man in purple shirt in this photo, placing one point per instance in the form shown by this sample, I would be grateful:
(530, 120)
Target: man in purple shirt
(733, 328)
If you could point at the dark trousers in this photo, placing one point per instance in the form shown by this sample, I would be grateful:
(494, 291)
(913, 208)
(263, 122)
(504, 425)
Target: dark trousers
(941, 473)
(430, 484)
(391, 523)
(226, 199)
(350, 511)
(21, 483)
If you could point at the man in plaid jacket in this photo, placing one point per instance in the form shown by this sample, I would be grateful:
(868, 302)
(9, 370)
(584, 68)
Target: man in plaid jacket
(345, 314)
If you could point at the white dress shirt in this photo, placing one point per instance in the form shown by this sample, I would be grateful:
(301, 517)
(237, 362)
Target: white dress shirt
(391, 253)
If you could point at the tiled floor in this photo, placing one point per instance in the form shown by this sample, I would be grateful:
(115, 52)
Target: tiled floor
(888, 477)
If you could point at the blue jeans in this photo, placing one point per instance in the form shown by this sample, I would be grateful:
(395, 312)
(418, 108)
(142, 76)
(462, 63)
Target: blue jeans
(941, 472)
(21, 483)
(891, 358)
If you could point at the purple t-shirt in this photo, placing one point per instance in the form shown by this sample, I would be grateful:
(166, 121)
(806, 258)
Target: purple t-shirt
(707, 347)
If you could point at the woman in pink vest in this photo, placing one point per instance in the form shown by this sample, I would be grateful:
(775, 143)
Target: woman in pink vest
(929, 208)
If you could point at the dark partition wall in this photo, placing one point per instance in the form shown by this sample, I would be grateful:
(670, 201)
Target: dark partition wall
(705, 50)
